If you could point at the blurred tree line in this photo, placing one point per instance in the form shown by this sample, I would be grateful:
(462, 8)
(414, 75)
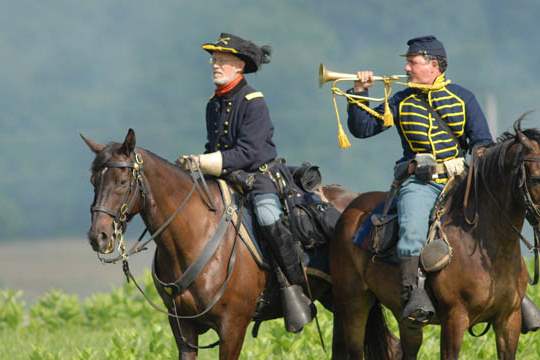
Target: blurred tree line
(100, 67)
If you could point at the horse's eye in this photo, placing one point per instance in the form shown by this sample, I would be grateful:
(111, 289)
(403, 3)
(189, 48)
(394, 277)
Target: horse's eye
(123, 182)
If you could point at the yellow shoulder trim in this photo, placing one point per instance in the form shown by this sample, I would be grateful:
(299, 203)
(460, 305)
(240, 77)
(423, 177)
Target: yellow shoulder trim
(254, 95)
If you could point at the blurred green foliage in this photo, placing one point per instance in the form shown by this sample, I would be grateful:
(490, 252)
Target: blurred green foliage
(131, 330)
(11, 309)
(54, 310)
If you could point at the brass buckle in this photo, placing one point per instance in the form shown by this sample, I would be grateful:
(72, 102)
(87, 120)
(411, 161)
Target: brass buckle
(123, 212)
(263, 168)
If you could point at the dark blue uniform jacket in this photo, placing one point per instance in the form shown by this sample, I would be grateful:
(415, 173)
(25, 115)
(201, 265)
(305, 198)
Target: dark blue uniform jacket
(417, 129)
(238, 124)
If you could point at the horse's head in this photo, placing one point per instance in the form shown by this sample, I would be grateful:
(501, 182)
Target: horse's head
(529, 161)
(116, 177)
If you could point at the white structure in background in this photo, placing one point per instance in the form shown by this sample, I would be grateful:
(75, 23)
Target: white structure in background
(491, 114)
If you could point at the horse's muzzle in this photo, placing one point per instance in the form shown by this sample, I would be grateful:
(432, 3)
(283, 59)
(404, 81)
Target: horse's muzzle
(101, 241)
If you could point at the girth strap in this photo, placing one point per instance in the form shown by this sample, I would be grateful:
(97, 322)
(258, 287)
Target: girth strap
(209, 250)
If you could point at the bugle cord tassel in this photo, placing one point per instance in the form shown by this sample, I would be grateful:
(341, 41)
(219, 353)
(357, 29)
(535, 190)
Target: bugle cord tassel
(388, 118)
(343, 140)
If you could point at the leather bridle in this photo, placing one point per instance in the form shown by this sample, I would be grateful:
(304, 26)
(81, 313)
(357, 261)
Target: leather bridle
(533, 210)
(122, 215)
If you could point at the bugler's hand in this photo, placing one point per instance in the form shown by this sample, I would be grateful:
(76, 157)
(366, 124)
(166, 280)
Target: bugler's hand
(365, 80)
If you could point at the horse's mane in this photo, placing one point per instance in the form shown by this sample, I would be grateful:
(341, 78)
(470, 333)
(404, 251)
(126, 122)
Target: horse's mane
(113, 147)
(165, 163)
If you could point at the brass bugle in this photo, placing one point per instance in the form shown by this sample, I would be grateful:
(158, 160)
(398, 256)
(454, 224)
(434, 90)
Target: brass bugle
(326, 75)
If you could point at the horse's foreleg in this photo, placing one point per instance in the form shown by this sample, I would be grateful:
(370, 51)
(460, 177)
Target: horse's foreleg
(338, 338)
(232, 333)
(411, 336)
(187, 332)
(453, 328)
(507, 333)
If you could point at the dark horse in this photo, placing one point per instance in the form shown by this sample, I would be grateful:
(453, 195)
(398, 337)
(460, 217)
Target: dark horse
(486, 278)
(119, 181)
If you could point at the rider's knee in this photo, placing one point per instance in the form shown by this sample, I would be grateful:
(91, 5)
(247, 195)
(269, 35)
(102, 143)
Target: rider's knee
(267, 209)
(405, 250)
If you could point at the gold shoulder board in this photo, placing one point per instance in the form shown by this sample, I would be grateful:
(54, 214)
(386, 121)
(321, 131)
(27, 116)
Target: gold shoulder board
(254, 95)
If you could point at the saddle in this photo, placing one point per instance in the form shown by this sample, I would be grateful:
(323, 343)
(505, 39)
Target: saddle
(316, 257)
(379, 234)
(311, 220)
(312, 223)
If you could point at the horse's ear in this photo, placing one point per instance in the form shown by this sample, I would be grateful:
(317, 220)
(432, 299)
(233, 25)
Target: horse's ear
(129, 143)
(522, 138)
(94, 146)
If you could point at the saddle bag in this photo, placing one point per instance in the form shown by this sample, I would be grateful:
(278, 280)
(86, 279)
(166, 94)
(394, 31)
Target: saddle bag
(311, 220)
(313, 223)
(385, 232)
(307, 177)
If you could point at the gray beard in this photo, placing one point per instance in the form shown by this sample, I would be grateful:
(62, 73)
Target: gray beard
(222, 81)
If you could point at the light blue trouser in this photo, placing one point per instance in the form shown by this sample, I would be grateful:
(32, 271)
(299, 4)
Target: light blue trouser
(415, 201)
(267, 208)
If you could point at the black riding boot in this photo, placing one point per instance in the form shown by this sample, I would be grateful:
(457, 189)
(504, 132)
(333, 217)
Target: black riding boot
(415, 301)
(297, 307)
(530, 316)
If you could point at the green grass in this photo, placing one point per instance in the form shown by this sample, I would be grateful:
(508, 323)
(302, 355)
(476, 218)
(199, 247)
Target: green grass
(119, 325)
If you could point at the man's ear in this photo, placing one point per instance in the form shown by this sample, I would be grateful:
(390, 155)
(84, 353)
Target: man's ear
(242, 66)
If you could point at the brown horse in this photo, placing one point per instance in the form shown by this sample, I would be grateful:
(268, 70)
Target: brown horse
(486, 278)
(129, 181)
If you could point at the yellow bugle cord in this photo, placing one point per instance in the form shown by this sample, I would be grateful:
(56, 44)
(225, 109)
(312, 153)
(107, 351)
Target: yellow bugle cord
(358, 100)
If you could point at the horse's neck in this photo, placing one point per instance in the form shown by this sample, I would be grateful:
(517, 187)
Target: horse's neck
(500, 216)
(170, 189)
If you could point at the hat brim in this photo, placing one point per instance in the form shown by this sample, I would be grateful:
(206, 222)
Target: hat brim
(213, 48)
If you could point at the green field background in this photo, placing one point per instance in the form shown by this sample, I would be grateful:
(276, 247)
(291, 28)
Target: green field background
(121, 325)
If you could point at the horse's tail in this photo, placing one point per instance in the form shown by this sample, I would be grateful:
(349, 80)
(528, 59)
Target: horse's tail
(379, 342)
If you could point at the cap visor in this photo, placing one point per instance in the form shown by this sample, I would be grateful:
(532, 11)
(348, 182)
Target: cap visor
(211, 48)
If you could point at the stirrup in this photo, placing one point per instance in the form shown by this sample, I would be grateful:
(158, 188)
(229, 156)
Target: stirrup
(530, 316)
(419, 309)
(298, 310)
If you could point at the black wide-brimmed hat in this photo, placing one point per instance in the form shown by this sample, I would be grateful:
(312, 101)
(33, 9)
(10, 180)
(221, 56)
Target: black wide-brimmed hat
(425, 45)
(253, 55)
